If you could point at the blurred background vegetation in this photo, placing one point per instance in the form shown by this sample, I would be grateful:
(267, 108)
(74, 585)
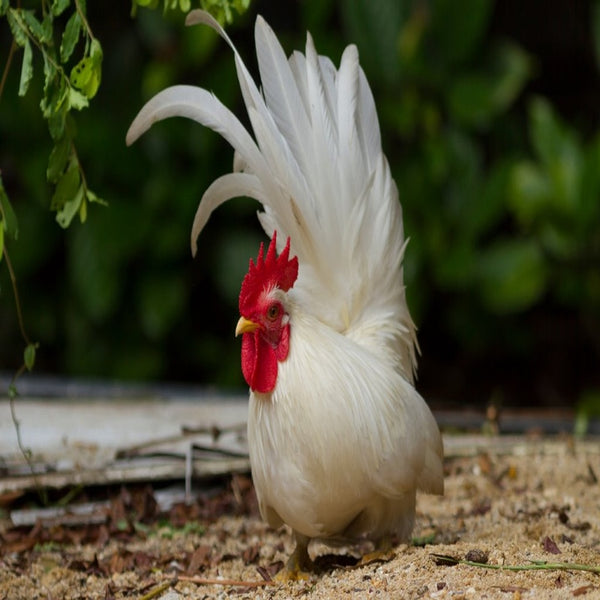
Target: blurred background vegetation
(490, 121)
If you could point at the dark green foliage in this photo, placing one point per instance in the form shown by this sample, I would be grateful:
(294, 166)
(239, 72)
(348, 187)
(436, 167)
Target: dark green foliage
(500, 192)
(61, 93)
(223, 10)
(504, 231)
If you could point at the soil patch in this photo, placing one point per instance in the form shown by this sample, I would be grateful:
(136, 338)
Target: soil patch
(537, 502)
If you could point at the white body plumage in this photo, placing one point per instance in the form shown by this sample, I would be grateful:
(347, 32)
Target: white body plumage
(342, 443)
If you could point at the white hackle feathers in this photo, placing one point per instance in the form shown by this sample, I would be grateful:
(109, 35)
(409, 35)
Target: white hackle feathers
(316, 165)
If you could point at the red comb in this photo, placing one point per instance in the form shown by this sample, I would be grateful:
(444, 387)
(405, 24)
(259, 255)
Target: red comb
(272, 271)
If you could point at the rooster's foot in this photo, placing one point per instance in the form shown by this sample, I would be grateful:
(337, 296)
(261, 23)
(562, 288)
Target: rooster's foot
(299, 564)
(383, 552)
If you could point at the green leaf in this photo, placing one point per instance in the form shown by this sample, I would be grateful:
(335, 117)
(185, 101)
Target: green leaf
(29, 356)
(2, 228)
(550, 138)
(56, 124)
(91, 197)
(70, 208)
(58, 159)
(241, 5)
(170, 5)
(3, 7)
(66, 188)
(512, 275)
(77, 99)
(87, 73)
(48, 28)
(70, 37)
(38, 30)
(561, 154)
(152, 4)
(26, 69)
(96, 53)
(49, 73)
(53, 102)
(529, 192)
(513, 67)
(17, 26)
(8, 214)
(83, 210)
(476, 98)
(82, 73)
(59, 6)
(559, 241)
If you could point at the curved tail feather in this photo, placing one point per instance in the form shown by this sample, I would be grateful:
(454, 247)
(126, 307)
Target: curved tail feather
(316, 165)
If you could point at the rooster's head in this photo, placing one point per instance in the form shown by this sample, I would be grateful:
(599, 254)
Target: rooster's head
(264, 320)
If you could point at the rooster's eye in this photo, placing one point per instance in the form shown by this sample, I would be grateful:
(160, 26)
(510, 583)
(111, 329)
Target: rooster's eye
(273, 312)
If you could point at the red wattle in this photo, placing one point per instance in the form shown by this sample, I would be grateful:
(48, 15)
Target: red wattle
(259, 363)
(259, 360)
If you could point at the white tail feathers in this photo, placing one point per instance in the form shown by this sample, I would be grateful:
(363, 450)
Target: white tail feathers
(316, 165)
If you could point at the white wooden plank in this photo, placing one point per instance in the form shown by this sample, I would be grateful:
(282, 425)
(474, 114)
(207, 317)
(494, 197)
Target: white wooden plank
(100, 441)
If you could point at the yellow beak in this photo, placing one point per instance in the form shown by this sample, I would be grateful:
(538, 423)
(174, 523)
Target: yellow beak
(245, 326)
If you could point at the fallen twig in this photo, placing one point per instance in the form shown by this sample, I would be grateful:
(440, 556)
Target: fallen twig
(159, 589)
(535, 565)
(232, 582)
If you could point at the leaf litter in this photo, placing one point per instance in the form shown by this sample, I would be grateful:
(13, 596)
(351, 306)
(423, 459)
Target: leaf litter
(500, 514)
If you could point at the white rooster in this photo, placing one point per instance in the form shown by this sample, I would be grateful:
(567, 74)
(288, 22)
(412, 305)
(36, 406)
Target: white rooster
(339, 439)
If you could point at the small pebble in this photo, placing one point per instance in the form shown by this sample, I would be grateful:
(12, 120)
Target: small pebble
(477, 555)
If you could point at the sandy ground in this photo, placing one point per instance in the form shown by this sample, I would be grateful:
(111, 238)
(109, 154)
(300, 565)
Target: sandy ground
(538, 502)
